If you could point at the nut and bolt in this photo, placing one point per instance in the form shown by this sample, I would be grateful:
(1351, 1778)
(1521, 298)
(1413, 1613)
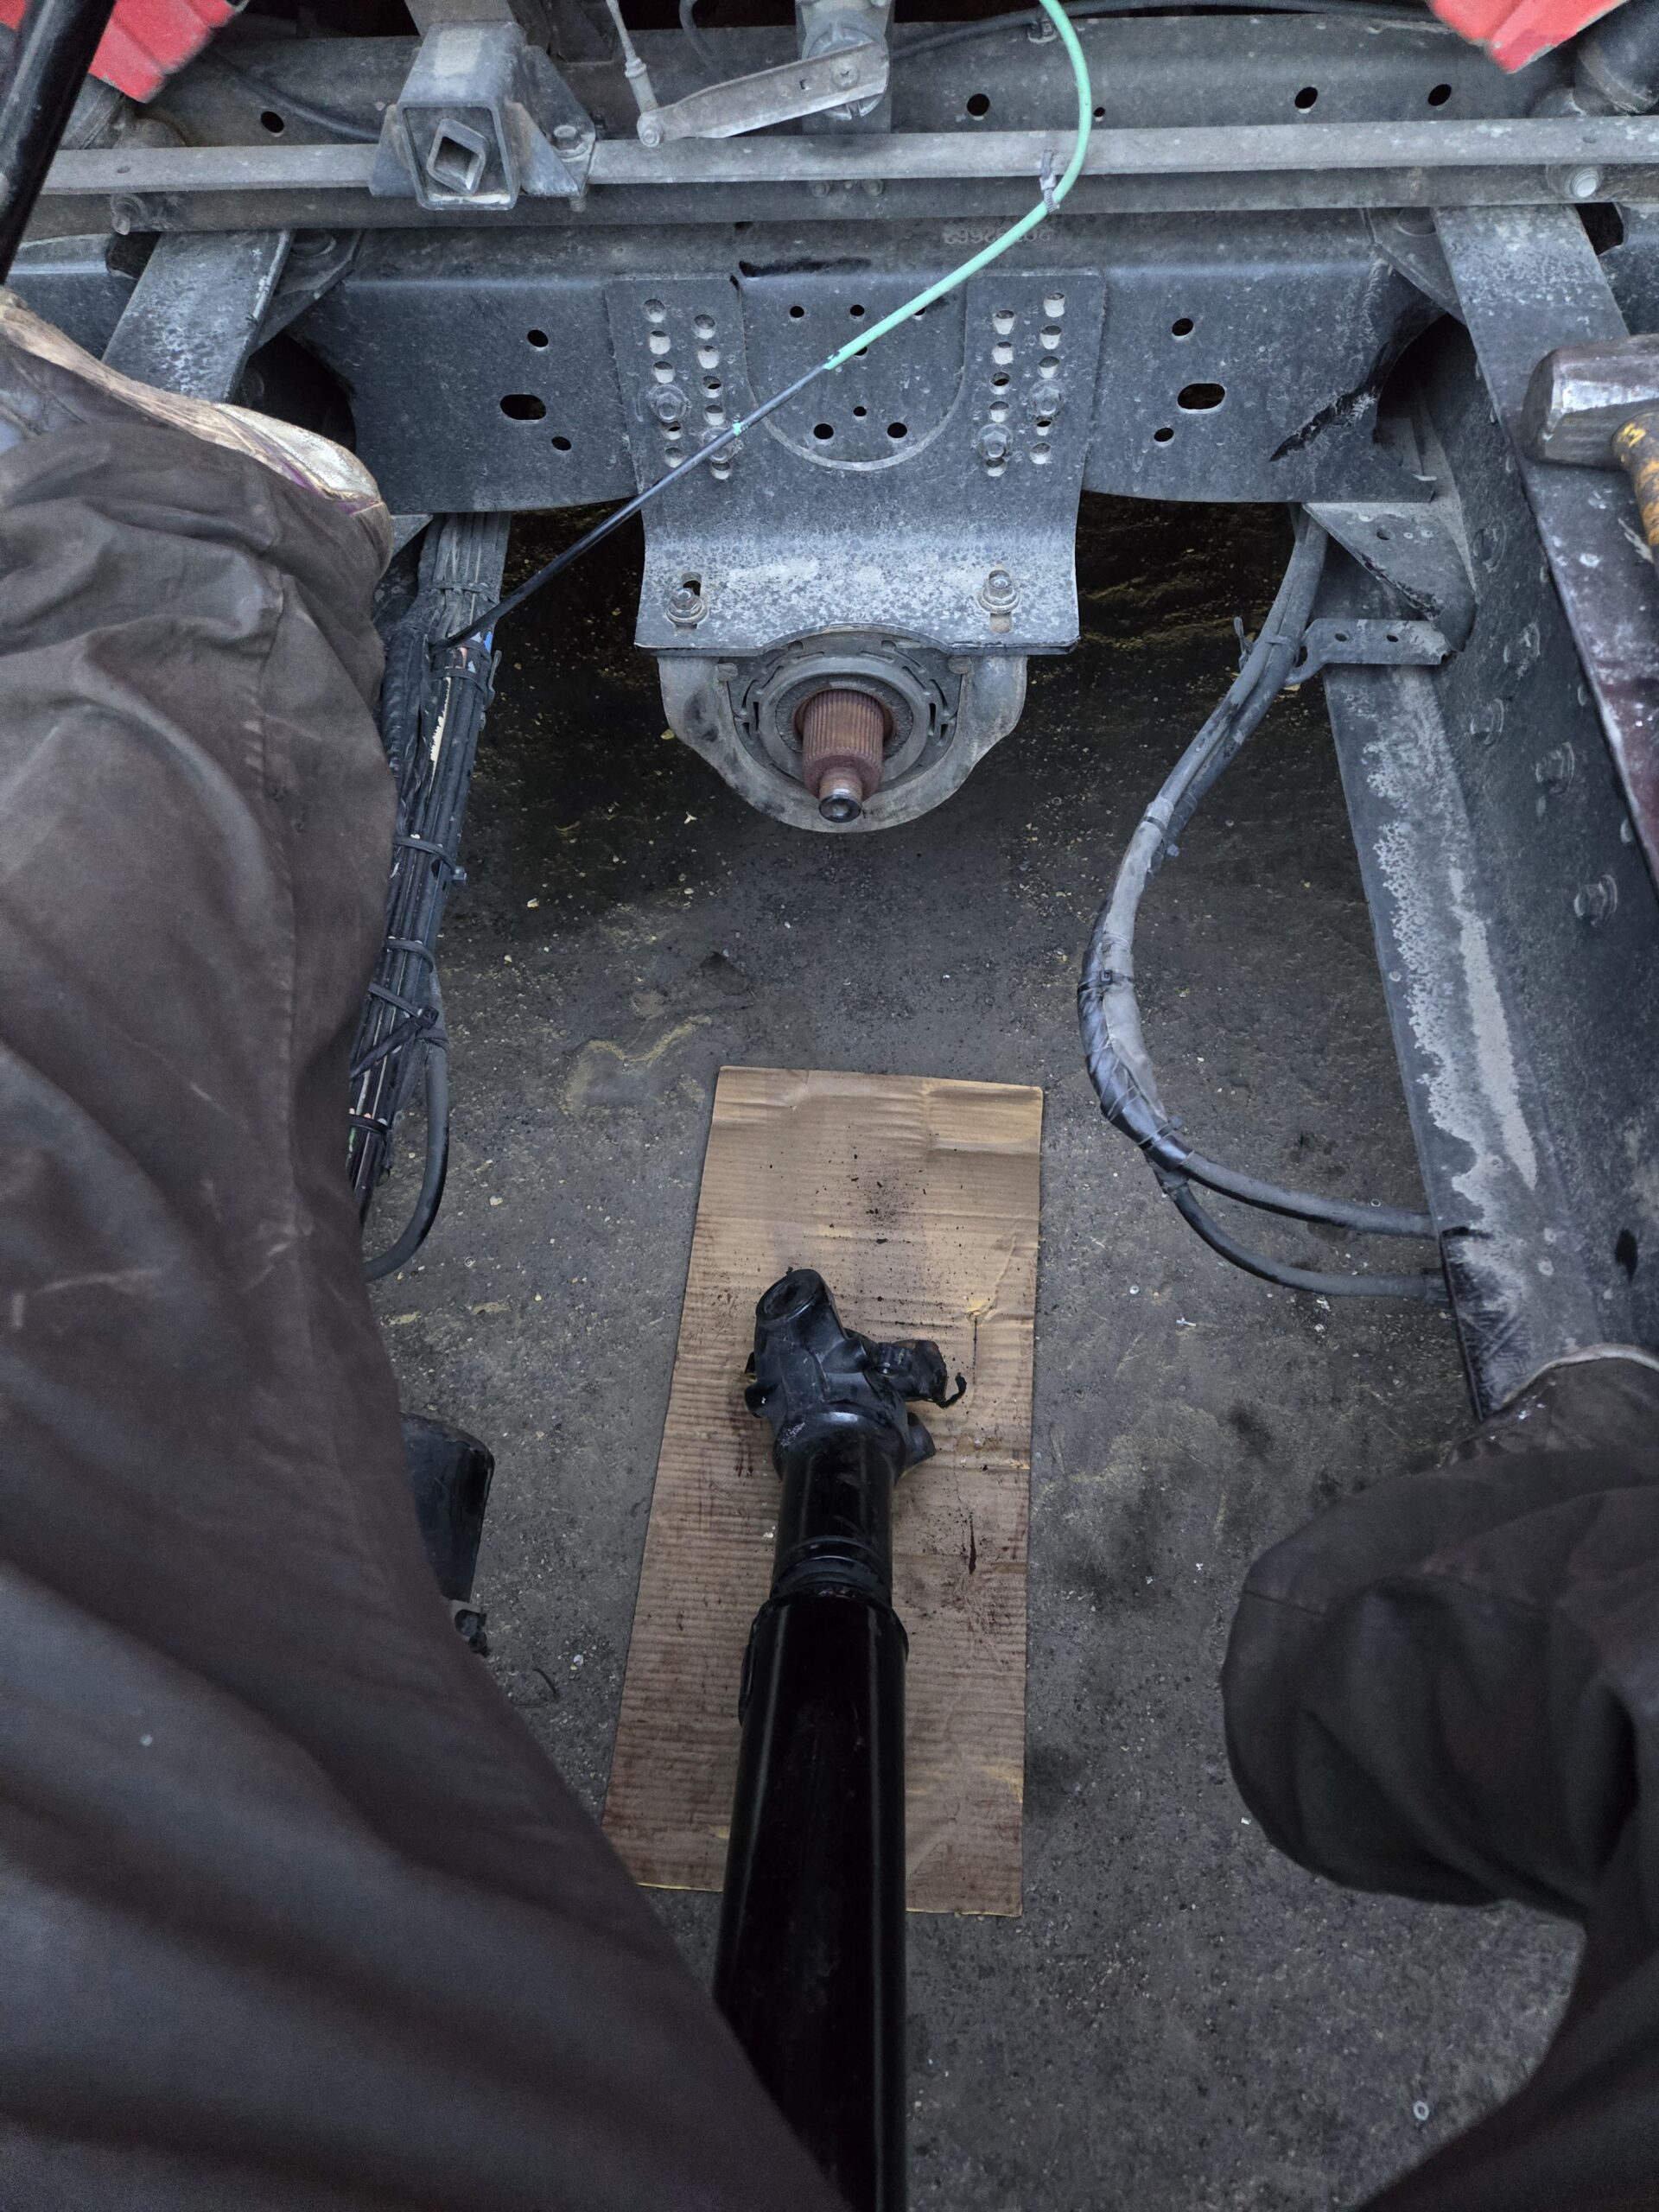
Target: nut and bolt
(1594, 902)
(566, 137)
(667, 405)
(686, 605)
(1582, 182)
(997, 594)
(994, 442)
(650, 130)
(126, 214)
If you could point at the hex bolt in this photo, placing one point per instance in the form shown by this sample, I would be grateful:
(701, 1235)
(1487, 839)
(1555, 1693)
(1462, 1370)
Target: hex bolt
(686, 606)
(650, 130)
(566, 136)
(126, 214)
(997, 594)
(1594, 902)
(668, 404)
(1582, 182)
(994, 442)
(1555, 769)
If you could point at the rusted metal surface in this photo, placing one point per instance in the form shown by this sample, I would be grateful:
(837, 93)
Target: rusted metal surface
(842, 735)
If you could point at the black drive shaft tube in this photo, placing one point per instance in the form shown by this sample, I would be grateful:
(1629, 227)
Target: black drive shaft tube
(810, 1965)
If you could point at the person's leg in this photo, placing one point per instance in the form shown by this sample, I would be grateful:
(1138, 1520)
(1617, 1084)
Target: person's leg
(295, 1913)
(1448, 1687)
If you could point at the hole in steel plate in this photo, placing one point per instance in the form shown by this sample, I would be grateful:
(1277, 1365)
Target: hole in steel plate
(1199, 398)
(535, 338)
(860, 412)
(898, 430)
(823, 430)
(1306, 96)
(855, 310)
(1162, 437)
(524, 406)
(1625, 1251)
(978, 104)
(1439, 95)
(560, 444)
(796, 313)
(1182, 327)
(1384, 534)
(273, 122)
(1100, 114)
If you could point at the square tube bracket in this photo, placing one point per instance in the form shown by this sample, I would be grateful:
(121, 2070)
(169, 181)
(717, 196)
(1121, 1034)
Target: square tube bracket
(483, 116)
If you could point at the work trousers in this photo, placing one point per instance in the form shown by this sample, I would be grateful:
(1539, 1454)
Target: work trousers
(294, 1915)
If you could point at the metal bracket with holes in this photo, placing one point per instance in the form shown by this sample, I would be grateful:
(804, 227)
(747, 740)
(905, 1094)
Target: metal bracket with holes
(483, 116)
(1368, 641)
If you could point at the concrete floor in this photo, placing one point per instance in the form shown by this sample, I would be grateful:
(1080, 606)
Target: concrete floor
(1181, 2019)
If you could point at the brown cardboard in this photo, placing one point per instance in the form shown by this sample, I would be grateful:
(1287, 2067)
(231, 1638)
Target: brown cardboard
(918, 1200)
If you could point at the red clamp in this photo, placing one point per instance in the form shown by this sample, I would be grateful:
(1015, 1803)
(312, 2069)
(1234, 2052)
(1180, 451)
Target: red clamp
(147, 40)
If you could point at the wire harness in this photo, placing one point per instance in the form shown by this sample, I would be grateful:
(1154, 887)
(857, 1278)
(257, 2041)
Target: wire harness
(1109, 1012)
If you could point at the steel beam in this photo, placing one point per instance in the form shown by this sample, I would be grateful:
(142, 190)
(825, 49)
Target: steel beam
(1527, 285)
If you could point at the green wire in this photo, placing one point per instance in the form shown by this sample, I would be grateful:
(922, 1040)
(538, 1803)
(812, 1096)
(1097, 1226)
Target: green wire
(1026, 224)
(484, 623)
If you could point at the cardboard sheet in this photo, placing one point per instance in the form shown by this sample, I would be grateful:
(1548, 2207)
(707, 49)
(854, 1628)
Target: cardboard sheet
(918, 1200)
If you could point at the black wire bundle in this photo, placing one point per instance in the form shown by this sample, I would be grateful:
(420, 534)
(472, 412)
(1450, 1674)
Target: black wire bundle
(432, 708)
(1109, 1014)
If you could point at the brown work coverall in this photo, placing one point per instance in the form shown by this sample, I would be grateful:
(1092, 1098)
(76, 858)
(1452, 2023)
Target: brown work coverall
(294, 1915)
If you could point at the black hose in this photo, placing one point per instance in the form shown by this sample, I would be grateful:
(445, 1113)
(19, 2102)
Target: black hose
(1109, 1012)
(52, 52)
(348, 127)
(1084, 10)
(1429, 1288)
(424, 1211)
(1301, 1205)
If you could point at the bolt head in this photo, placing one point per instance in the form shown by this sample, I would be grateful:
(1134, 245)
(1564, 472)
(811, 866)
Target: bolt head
(1583, 184)
(650, 130)
(566, 136)
(998, 594)
(994, 442)
(1594, 902)
(668, 404)
(685, 605)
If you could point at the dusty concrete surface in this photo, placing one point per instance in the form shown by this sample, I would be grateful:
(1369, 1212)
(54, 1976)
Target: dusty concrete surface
(1181, 2019)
